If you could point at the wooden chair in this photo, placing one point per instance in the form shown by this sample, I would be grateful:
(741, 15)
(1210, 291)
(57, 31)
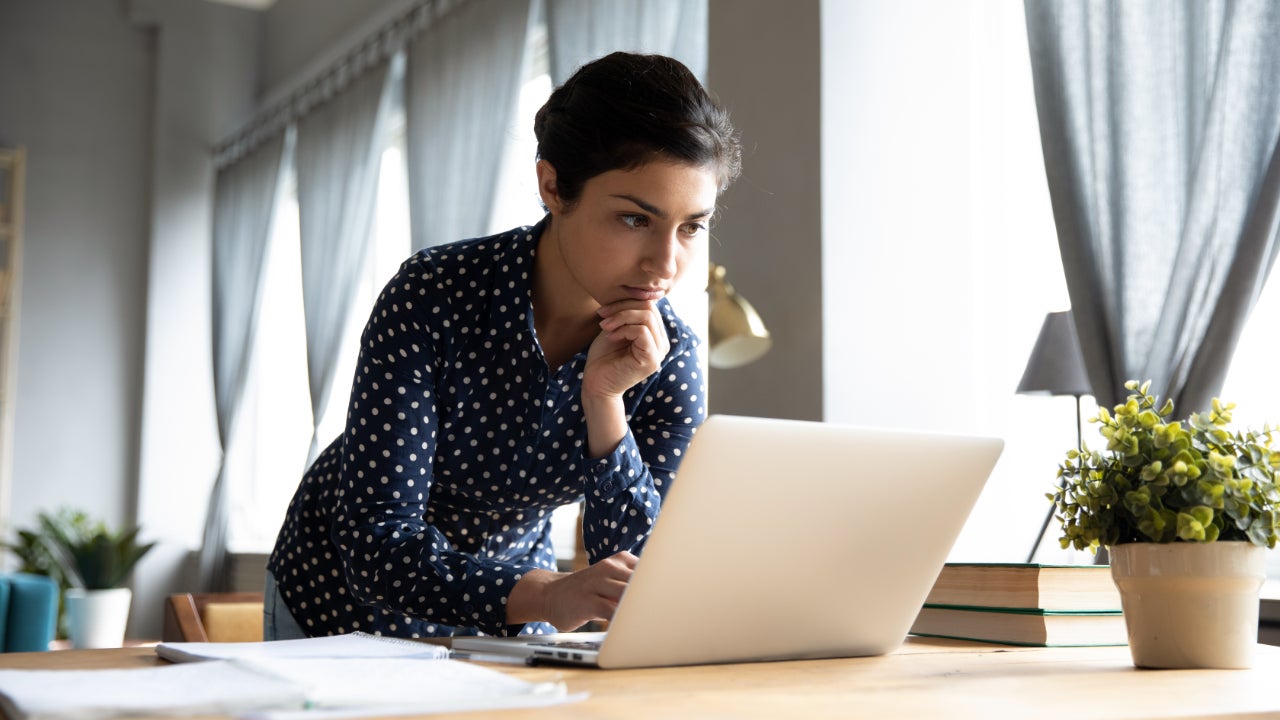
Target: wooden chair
(213, 617)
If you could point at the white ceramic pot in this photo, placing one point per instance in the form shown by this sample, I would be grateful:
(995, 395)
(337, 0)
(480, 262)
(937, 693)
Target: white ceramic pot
(1190, 605)
(97, 618)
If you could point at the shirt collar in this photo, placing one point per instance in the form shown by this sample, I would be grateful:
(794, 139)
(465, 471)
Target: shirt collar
(513, 285)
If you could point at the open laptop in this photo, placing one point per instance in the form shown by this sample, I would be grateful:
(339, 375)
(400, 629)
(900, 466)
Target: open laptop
(784, 539)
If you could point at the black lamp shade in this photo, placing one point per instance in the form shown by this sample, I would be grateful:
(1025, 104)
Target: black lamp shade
(1056, 366)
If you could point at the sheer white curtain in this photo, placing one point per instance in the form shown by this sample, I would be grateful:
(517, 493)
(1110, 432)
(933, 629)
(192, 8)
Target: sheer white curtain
(1160, 124)
(338, 157)
(582, 30)
(244, 199)
(462, 84)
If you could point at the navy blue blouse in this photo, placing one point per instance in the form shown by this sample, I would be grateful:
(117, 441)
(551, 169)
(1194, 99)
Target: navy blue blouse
(459, 444)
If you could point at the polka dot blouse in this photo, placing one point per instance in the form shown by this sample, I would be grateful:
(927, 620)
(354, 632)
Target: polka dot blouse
(459, 444)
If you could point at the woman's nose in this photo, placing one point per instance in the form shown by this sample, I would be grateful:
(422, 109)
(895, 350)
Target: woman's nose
(662, 256)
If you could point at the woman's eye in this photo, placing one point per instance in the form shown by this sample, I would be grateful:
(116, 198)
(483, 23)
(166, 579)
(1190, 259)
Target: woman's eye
(635, 221)
(694, 228)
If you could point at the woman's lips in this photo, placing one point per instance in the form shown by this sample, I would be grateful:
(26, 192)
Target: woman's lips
(638, 293)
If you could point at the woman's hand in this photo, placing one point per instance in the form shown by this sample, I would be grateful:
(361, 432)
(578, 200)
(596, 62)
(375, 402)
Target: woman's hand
(630, 347)
(570, 600)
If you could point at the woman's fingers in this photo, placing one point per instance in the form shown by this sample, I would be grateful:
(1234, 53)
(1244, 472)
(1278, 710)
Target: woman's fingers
(640, 324)
(591, 593)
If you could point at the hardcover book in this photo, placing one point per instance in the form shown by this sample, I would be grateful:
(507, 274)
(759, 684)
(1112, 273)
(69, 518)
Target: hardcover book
(1026, 586)
(1022, 627)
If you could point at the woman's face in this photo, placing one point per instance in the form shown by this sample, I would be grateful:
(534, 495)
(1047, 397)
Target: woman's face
(632, 233)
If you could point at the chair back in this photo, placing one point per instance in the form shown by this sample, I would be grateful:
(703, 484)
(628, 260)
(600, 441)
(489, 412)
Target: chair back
(28, 612)
(213, 617)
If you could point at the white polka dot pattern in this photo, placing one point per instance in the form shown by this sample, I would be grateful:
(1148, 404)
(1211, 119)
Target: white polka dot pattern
(458, 446)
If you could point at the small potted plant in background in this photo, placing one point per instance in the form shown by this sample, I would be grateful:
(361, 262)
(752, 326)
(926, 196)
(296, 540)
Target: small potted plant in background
(91, 563)
(1187, 512)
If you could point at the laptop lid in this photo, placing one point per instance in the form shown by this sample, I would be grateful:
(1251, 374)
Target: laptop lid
(784, 539)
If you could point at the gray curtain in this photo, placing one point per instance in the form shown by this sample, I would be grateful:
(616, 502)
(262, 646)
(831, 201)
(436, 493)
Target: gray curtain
(582, 30)
(462, 84)
(338, 158)
(1159, 121)
(244, 198)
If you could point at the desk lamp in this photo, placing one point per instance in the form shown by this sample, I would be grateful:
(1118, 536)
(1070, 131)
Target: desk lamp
(1056, 367)
(738, 335)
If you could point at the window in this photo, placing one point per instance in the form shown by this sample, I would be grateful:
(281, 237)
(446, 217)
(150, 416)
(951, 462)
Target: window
(516, 200)
(1251, 384)
(277, 411)
(275, 419)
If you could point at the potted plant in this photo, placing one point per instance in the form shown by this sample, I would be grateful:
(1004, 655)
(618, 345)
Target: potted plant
(91, 563)
(1186, 511)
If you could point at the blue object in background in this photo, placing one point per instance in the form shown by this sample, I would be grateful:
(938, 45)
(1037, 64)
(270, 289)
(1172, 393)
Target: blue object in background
(29, 609)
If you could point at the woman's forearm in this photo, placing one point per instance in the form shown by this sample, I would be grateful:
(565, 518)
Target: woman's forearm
(606, 420)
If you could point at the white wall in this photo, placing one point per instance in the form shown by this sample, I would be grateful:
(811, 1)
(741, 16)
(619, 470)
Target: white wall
(299, 37)
(206, 64)
(764, 64)
(75, 89)
(118, 105)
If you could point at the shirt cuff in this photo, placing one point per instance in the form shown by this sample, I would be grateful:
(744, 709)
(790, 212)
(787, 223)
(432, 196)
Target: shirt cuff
(617, 472)
(483, 602)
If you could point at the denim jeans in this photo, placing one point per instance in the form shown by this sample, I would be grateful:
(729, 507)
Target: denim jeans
(277, 621)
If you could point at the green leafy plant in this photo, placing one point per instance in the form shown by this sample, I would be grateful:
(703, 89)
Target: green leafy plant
(78, 551)
(1163, 480)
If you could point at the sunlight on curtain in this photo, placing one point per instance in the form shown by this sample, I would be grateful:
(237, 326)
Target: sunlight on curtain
(1251, 382)
(277, 410)
(461, 86)
(267, 464)
(245, 195)
(390, 248)
(339, 151)
(517, 202)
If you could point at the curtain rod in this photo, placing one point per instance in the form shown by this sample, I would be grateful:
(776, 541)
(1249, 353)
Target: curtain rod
(378, 46)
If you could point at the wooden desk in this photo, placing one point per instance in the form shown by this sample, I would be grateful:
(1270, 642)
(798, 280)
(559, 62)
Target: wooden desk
(924, 679)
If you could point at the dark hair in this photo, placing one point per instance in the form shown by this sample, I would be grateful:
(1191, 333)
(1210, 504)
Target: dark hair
(624, 110)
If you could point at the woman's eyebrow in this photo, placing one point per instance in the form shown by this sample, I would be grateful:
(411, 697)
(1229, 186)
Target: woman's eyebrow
(654, 210)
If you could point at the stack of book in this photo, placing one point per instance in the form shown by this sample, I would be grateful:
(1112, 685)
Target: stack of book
(1024, 604)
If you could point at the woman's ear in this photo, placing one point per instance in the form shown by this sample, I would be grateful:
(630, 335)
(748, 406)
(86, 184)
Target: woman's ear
(548, 189)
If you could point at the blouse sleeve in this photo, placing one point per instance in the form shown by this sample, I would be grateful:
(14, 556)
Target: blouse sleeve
(624, 490)
(392, 557)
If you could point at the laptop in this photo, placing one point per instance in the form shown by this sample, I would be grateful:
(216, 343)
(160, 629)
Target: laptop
(784, 539)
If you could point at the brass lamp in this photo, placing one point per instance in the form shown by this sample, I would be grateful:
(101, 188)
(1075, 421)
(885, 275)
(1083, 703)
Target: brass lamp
(738, 335)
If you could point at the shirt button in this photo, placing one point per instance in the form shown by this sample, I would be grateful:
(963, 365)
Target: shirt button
(469, 608)
(607, 486)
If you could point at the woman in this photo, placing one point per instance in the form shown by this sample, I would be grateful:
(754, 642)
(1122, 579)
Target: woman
(502, 377)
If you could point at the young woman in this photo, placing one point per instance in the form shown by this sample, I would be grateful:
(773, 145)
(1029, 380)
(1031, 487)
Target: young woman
(502, 377)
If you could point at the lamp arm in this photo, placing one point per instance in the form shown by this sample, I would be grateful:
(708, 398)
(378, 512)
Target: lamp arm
(1049, 515)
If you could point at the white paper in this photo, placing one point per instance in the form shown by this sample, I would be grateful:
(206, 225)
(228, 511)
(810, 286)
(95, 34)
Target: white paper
(400, 686)
(272, 688)
(204, 688)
